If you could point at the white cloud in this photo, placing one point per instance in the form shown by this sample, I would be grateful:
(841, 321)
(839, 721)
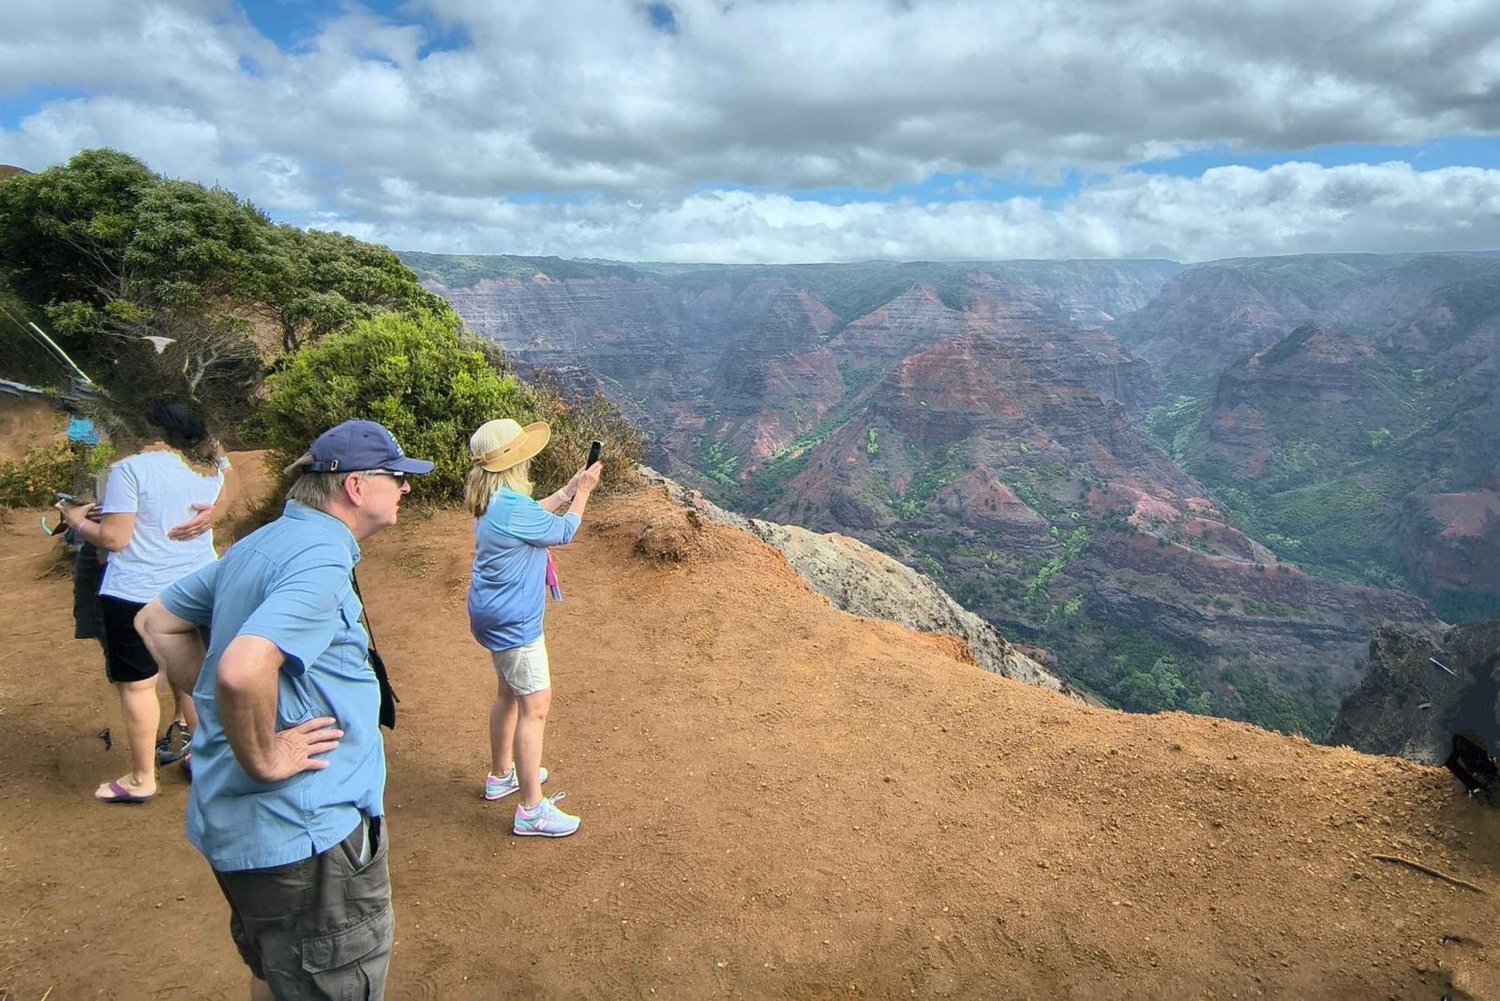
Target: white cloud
(1227, 212)
(642, 130)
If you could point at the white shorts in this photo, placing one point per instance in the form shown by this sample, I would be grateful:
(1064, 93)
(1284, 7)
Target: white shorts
(524, 668)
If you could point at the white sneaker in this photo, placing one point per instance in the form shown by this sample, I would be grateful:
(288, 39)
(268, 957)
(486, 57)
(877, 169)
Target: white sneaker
(501, 786)
(546, 820)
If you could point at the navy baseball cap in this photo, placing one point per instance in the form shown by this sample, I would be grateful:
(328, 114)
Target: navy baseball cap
(360, 445)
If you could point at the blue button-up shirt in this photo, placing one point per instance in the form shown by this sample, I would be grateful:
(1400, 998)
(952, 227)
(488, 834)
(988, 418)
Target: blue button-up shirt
(288, 582)
(508, 590)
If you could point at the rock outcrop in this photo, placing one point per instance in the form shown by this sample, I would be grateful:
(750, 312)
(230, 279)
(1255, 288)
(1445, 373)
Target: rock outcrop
(1419, 691)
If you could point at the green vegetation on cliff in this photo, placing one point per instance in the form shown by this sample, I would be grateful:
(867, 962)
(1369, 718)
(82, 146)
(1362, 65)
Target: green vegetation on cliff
(159, 287)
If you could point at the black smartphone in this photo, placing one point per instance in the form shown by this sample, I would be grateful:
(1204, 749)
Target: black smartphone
(595, 451)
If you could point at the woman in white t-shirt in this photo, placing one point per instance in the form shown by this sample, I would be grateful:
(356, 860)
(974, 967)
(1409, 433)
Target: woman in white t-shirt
(146, 495)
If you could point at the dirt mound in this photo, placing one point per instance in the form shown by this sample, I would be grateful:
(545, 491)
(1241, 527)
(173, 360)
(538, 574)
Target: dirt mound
(778, 800)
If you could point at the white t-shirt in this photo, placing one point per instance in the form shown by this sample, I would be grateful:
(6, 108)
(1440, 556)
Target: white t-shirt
(160, 489)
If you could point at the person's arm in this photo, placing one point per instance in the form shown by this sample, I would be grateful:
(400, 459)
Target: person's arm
(583, 485)
(111, 533)
(295, 623)
(535, 526)
(206, 514)
(176, 644)
(121, 502)
(201, 521)
(171, 625)
(248, 690)
(553, 502)
(569, 492)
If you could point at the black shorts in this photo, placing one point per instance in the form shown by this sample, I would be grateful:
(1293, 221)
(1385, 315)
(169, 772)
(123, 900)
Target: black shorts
(125, 655)
(320, 928)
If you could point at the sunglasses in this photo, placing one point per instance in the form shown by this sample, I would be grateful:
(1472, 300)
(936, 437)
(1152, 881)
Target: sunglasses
(394, 474)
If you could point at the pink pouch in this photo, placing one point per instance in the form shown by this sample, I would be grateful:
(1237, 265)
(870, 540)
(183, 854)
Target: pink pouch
(552, 584)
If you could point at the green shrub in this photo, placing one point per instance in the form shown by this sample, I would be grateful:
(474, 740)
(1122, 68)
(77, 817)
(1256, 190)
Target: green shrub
(721, 462)
(432, 386)
(30, 480)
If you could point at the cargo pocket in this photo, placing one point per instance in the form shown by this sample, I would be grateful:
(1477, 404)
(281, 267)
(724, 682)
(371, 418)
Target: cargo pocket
(350, 965)
(367, 887)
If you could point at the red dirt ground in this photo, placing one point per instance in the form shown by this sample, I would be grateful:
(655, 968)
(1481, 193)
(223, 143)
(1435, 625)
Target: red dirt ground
(778, 800)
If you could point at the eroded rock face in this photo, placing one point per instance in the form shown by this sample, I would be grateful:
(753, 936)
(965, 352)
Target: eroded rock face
(1309, 629)
(1037, 496)
(743, 362)
(863, 581)
(1408, 706)
(1461, 553)
(1358, 424)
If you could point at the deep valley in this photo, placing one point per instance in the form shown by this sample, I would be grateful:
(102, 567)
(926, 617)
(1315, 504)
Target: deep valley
(1193, 488)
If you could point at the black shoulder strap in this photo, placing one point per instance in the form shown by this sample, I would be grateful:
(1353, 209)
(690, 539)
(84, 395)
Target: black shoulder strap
(388, 697)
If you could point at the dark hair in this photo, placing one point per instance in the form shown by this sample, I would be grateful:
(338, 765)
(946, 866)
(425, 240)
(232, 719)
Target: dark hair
(181, 425)
(182, 428)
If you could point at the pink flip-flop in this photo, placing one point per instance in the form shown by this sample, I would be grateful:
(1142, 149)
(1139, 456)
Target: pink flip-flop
(121, 794)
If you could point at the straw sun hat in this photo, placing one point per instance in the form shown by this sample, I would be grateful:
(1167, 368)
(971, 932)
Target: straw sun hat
(498, 445)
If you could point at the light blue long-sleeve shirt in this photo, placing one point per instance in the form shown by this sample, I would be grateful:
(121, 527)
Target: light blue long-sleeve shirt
(508, 591)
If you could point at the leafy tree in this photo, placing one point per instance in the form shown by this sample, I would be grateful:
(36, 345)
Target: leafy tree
(64, 232)
(1153, 690)
(314, 282)
(25, 360)
(156, 286)
(137, 277)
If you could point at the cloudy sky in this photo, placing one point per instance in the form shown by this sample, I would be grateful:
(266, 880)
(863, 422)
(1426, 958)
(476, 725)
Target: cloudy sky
(793, 130)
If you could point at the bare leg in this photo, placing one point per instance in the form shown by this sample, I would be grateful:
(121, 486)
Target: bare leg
(529, 727)
(502, 729)
(179, 714)
(142, 711)
(183, 710)
(260, 990)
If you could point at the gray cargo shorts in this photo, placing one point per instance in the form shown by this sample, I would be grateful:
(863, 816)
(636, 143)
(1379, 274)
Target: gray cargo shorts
(320, 928)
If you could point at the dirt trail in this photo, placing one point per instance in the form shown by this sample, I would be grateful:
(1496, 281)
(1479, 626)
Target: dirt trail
(778, 800)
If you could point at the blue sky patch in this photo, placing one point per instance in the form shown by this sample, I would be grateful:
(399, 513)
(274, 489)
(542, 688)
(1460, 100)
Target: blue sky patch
(14, 107)
(662, 18)
(1433, 155)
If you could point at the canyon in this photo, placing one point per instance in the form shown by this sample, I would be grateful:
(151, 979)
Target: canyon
(1188, 487)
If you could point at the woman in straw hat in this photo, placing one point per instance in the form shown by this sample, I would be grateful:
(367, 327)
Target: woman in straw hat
(507, 596)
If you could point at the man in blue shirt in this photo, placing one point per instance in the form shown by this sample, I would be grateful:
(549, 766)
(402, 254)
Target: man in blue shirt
(288, 762)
